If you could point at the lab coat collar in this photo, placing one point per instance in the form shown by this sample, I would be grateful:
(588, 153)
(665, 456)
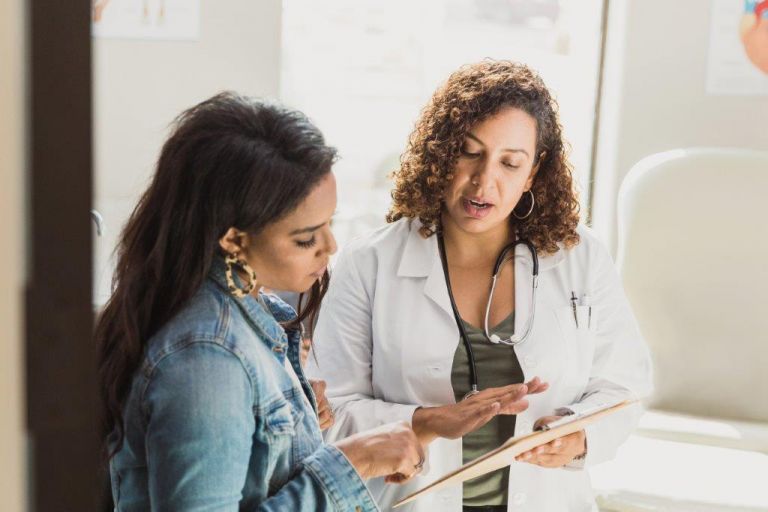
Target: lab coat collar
(421, 258)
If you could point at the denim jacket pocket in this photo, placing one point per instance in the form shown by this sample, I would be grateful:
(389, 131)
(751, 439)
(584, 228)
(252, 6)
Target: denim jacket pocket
(280, 419)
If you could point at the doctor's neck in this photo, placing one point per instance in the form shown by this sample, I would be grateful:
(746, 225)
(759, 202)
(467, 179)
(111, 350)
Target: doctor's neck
(472, 248)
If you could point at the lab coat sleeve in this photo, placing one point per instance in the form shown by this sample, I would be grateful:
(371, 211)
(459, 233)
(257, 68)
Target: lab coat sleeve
(342, 353)
(621, 364)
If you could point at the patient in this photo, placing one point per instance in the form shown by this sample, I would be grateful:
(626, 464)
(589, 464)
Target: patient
(206, 401)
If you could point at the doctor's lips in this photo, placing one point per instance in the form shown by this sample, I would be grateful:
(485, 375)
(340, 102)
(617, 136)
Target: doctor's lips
(476, 207)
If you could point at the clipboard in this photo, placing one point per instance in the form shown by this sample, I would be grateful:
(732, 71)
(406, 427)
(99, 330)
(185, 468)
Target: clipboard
(505, 454)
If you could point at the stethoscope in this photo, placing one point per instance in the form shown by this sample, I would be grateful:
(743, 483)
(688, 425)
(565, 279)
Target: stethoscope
(515, 339)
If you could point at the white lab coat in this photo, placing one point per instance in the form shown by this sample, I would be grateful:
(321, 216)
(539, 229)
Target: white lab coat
(386, 339)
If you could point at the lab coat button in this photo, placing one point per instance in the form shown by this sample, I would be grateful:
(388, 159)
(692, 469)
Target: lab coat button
(529, 362)
(525, 427)
(519, 498)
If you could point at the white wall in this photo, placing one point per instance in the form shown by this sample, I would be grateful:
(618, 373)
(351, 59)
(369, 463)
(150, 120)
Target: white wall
(654, 97)
(12, 268)
(140, 86)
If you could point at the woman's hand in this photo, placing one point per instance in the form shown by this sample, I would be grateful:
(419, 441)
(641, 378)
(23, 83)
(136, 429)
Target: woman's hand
(306, 346)
(392, 450)
(558, 452)
(456, 420)
(324, 412)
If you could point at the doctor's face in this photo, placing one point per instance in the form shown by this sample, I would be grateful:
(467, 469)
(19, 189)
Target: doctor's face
(495, 168)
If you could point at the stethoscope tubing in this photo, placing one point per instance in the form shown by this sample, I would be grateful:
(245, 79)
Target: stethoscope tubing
(514, 340)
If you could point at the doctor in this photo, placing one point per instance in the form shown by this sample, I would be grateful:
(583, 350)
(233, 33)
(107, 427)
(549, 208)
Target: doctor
(414, 328)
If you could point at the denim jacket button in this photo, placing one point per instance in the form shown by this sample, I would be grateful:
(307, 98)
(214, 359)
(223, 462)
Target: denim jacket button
(279, 349)
(358, 509)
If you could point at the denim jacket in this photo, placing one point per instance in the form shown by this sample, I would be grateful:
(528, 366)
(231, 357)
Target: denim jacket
(215, 422)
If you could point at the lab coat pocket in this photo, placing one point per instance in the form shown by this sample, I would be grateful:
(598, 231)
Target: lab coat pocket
(578, 331)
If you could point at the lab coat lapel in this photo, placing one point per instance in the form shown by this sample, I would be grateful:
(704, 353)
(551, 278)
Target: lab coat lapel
(422, 259)
(435, 287)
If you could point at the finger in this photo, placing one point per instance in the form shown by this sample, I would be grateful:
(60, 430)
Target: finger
(485, 414)
(549, 461)
(324, 414)
(494, 393)
(513, 406)
(318, 386)
(536, 385)
(545, 420)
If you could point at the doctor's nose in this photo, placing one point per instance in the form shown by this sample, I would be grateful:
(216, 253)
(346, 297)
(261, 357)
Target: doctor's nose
(481, 175)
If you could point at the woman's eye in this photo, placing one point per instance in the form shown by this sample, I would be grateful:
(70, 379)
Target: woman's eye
(510, 165)
(306, 244)
(469, 154)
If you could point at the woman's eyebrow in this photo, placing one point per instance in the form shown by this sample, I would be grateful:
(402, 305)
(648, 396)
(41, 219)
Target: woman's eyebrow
(306, 230)
(510, 150)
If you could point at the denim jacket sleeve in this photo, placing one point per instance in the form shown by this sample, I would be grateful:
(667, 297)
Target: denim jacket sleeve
(200, 423)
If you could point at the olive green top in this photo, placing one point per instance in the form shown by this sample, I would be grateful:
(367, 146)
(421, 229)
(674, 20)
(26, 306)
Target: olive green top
(497, 365)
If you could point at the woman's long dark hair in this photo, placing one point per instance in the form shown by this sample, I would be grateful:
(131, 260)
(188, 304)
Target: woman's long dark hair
(230, 161)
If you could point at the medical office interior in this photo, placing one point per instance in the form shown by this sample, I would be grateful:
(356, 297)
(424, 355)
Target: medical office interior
(664, 105)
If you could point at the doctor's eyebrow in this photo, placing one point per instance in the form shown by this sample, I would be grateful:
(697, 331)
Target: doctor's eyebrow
(511, 150)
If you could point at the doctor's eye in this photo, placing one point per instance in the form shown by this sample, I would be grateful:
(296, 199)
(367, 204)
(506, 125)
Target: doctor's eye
(306, 244)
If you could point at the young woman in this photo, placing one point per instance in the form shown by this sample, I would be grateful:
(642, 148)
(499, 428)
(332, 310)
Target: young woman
(206, 400)
(424, 334)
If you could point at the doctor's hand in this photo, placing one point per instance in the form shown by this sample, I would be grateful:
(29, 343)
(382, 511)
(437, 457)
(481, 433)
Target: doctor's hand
(558, 452)
(391, 450)
(457, 420)
(324, 412)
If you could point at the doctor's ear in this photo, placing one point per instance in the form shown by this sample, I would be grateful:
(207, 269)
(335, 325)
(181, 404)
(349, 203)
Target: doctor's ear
(234, 241)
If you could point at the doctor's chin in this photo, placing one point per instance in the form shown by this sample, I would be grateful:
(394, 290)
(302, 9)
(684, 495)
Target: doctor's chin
(361, 256)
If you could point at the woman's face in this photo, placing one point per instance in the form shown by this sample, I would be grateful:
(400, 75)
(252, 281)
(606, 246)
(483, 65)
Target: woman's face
(292, 253)
(494, 170)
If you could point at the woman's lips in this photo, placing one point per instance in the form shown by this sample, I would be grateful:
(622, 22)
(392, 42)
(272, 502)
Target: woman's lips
(319, 273)
(475, 211)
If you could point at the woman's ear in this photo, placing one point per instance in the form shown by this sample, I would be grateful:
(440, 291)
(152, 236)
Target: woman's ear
(234, 241)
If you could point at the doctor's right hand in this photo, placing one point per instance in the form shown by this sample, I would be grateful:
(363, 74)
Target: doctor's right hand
(391, 450)
(457, 420)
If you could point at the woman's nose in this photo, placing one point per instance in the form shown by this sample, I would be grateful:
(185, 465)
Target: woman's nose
(330, 246)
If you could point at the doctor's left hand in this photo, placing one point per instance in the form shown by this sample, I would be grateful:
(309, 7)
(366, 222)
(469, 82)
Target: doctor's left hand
(558, 452)
(324, 412)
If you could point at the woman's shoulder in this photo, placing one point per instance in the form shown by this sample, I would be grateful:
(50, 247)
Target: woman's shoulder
(208, 319)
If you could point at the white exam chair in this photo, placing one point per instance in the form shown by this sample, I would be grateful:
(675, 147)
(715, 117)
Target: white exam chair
(693, 255)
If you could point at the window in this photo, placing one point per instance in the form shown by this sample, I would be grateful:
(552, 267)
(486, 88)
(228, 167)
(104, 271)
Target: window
(363, 69)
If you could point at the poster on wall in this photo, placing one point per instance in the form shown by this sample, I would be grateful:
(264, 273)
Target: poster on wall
(171, 20)
(738, 48)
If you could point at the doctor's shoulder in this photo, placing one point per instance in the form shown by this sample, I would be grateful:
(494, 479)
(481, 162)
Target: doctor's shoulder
(380, 247)
(590, 254)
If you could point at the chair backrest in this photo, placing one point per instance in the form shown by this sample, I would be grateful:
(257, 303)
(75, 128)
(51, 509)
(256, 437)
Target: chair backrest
(693, 255)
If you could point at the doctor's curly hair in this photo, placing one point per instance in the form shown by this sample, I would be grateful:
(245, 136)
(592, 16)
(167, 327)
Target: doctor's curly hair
(472, 94)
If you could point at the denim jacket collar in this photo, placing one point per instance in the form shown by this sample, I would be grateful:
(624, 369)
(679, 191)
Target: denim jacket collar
(267, 322)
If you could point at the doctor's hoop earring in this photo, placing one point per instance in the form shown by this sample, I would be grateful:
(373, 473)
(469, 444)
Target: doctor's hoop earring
(530, 210)
(233, 261)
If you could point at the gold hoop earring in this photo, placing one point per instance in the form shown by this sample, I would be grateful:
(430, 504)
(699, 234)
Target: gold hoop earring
(233, 261)
(530, 210)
